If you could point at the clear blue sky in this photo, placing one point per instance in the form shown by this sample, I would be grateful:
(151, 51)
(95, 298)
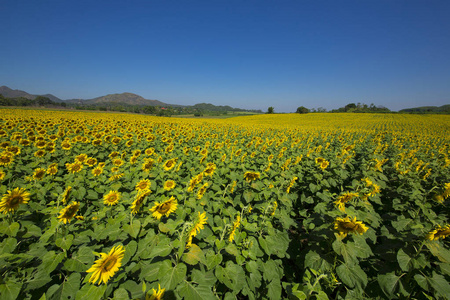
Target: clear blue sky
(246, 54)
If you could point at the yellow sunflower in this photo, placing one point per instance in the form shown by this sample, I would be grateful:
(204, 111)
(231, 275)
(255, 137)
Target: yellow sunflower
(210, 168)
(97, 171)
(143, 185)
(67, 213)
(52, 169)
(2, 174)
(169, 164)
(249, 176)
(118, 162)
(66, 194)
(344, 198)
(39, 153)
(202, 191)
(164, 208)
(11, 200)
(236, 224)
(137, 203)
(6, 158)
(111, 198)
(81, 157)
(348, 225)
(74, 167)
(169, 184)
(38, 174)
(156, 294)
(439, 233)
(198, 225)
(147, 165)
(105, 267)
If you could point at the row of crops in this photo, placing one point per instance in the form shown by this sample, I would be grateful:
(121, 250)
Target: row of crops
(318, 206)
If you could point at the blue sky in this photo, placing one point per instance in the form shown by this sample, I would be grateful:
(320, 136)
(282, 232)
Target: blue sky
(246, 54)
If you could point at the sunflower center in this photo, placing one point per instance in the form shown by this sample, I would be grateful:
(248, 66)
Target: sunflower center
(71, 212)
(164, 208)
(443, 233)
(109, 263)
(112, 198)
(348, 225)
(15, 200)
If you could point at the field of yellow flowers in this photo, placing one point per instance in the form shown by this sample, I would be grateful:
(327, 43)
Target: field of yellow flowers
(316, 206)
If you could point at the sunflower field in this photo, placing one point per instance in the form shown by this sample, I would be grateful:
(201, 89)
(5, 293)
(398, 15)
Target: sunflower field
(317, 206)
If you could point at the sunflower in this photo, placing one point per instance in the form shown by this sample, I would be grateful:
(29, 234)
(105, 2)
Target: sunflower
(116, 176)
(198, 225)
(66, 145)
(97, 171)
(144, 184)
(2, 174)
(439, 233)
(137, 152)
(105, 267)
(129, 143)
(170, 164)
(236, 224)
(111, 198)
(348, 225)
(149, 151)
(38, 174)
(164, 208)
(118, 162)
(446, 192)
(156, 294)
(274, 208)
(91, 161)
(249, 176)
(291, 184)
(67, 213)
(52, 169)
(202, 191)
(169, 184)
(39, 153)
(115, 169)
(324, 164)
(210, 168)
(6, 158)
(147, 165)
(81, 157)
(74, 167)
(137, 203)
(66, 194)
(11, 200)
(344, 198)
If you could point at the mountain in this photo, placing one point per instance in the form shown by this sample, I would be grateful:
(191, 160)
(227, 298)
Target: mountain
(124, 98)
(10, 93)
(427, 109)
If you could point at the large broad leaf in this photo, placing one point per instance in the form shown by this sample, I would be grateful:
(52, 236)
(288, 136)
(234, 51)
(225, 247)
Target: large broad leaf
(440, 285)
(276, 244)
(194, 255)
(90, 291)
(440, 252)
(404, 260)
(10, 290)
(189, 291)
(346, 250)
(315, 262)
(67, 289)
(352, 275)
(232, 276)
(130, 250)
(80, 261)
(133, 288)
(274, 290)
(272, 270)
(390, 284)
(212, 260)
(65, 242)
(133, 229)
(8, 245)
(171, 276)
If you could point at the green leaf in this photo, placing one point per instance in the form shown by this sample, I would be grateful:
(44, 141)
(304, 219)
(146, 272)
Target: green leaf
(150, 272)
(440, 285)
(352, 275)
(274, 290)
(12, 229)
(133, 229)
(80, 261)
(121, 293)
(315, 262)
(191, 292)
(134, 289)
(437, 250)
(276, 244)
(404, 260)
(232, 276)
(389, 283)
(422, 281)
(272, 270)
(8, 245)
(90, 291)
(346, 250)
(50, 261)
(321, 296)
(194, 255)
(171, 276)
(232, 249)
(65, 242)
(68, 288)
(10, 290)
(130, 250)
(213, 260)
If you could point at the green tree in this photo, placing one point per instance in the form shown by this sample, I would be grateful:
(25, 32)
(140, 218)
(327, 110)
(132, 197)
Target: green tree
(270, 110)
(302, 110)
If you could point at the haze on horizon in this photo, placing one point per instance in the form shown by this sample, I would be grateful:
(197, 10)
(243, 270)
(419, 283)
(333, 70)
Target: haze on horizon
(246, 54)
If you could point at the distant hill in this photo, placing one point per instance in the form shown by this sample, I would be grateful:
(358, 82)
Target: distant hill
(121, 101)
(124, 98)
(10, 93)
(427, 109)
